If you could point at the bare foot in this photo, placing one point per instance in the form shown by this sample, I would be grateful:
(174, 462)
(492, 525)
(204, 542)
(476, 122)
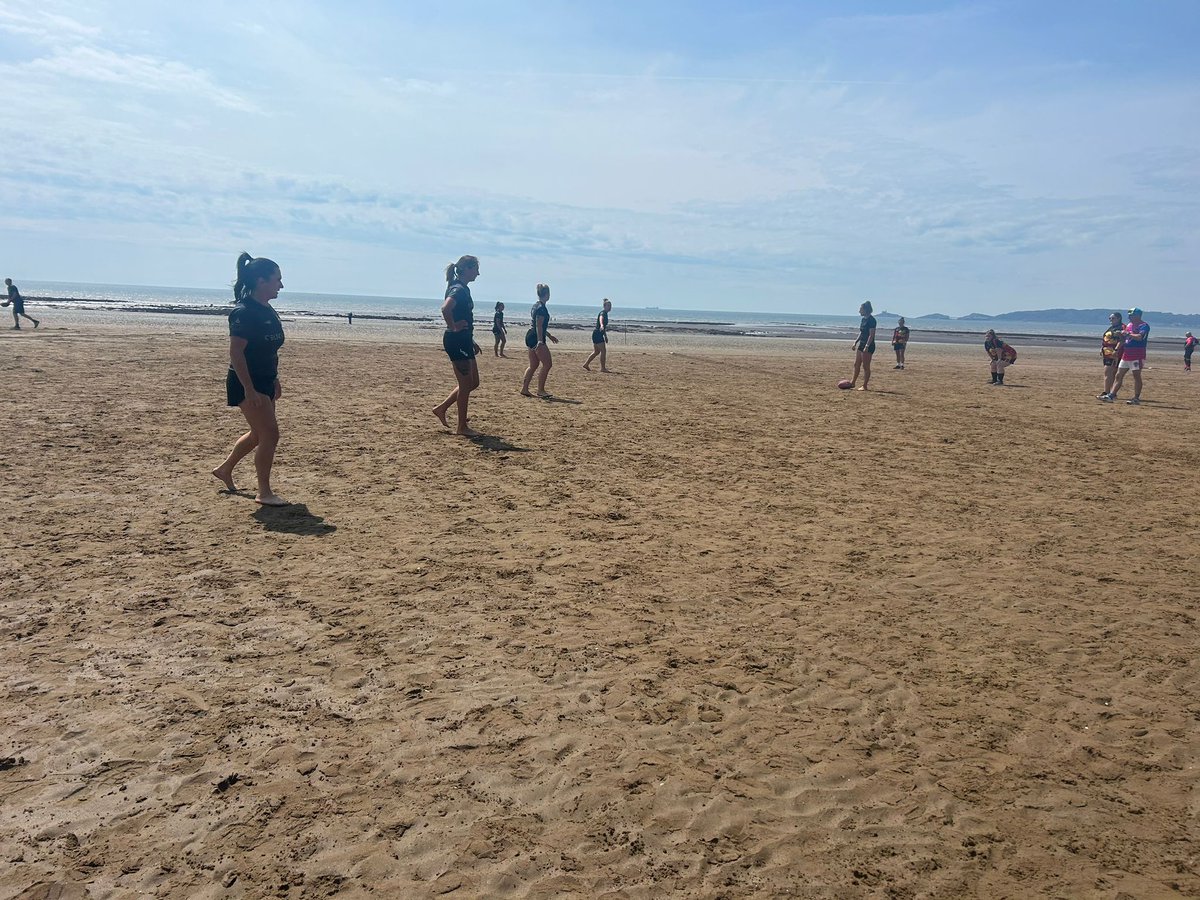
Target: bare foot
(468, 432)
(225, 478)
(36, 323)
(863, 388)
(271, 500)
(587, 368)
(544, 395)
(526, 394)
(441, 416)
(606, 370)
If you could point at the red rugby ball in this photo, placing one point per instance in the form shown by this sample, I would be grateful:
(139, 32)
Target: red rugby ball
(845, 384)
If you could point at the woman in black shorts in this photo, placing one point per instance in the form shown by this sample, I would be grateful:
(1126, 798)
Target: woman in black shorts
(458, 340)
(499, 331)
(600, 339)
(864, 346)
(252, 382)
(535, 342)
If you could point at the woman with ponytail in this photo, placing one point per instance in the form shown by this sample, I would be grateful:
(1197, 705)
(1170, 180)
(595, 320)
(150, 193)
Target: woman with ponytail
(535, 342)
(252, 382)
(458, 340)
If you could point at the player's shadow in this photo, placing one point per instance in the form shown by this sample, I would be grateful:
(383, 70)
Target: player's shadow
(553, 399)
(293, 519)
(493, 443)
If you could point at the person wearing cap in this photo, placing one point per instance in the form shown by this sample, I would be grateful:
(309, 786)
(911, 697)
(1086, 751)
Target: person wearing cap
(1133, 357)
(1189, 345)
(1002, 355)
(1111, 347)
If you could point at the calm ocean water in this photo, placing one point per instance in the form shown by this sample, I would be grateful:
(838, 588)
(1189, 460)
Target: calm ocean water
(296, 303)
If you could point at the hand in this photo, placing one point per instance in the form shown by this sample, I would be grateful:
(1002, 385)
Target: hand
(553, 339)
(278, 389)
(255, 400)
(477, 348)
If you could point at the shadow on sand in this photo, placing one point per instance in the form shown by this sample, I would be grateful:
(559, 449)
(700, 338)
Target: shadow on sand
(293, 519)
(495, 444)
(553, 399)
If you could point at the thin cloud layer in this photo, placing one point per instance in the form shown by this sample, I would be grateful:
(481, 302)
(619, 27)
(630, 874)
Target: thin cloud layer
(763, 158)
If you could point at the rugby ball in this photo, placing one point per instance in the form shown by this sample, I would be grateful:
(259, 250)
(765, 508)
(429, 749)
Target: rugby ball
(845, 384)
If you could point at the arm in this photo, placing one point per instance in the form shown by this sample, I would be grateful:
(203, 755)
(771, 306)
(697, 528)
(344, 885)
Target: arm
(237, 361)
(448, 315)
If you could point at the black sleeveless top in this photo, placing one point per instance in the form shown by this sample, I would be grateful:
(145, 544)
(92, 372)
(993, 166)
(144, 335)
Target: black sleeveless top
(464, 306)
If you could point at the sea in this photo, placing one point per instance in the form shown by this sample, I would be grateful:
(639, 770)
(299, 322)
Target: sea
(149, 298)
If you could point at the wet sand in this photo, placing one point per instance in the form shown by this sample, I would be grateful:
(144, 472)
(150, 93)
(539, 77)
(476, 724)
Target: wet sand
(705, 627)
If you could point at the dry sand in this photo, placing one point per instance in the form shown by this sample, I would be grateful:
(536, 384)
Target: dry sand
(706, 628)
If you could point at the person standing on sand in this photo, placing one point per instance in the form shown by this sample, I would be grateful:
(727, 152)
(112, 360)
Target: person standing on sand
(499, 331)
(1133, 359)
(1002, 355)
(1112, 344)
(252, 382)
(900, 341)
(18, 305)
(458, 340)
(535, 341)
(864, 346)
(600, 339)
(1189, 346)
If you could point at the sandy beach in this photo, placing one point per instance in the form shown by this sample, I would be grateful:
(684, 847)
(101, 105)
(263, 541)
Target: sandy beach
(704, 627)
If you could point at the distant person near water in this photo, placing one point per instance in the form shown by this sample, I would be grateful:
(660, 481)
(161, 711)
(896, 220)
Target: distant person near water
(458, 340)
(900, 342)
(1112, 345)
(1002, 355)
(18, 305)
(499, 332)
(1133, 359)
(864, 346)
(535, 341)
(349, 318)
(600, 339)
(1189, 346)
(252, 382)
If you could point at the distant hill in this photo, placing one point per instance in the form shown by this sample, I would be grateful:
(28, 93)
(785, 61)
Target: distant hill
(1097, 317)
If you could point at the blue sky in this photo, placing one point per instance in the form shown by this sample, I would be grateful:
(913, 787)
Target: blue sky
(776, 156)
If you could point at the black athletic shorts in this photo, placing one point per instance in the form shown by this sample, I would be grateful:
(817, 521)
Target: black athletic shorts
(599, 337)
(1109, 361)
(459, 345)
(870, 348)
(235, 393)
(531, 338)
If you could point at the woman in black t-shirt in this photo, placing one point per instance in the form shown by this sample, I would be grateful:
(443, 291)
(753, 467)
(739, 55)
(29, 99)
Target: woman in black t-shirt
(535, 342)
(600, 339)
(499, 332)
(864, 346)
(252, 382)
(458, 340)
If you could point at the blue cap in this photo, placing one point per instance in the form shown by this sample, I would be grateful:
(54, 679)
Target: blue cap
(1136, 311)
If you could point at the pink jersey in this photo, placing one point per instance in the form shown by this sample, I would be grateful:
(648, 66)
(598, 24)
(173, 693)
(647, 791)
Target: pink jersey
(1136, 337)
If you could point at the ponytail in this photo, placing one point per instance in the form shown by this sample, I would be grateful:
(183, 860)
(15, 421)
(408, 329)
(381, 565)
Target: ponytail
(463, 262)
(250, 272)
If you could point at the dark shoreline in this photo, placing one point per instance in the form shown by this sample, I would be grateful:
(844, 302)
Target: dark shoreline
(632, 326)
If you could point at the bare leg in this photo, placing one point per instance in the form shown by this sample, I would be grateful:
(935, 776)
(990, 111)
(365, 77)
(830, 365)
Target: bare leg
(547, 363)
(1137, 384)
(1110, 374)
(857, 366)
(604, 357)
(440, 409)
(241, 448)
(503, 344)
(263, 423)
(534, 362)
(595, 352)
(866, 363)
(467, 382)
(1117, 384)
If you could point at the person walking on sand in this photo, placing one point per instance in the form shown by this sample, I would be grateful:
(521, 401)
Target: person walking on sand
(864, 346)
(252, 382)
(540, 360)
(1133, 359)
(1189, 346)
(1112, 344)
(499, 332)
(18, 305)
(900, 342)
(458, 340)
(1002, 355)
(600, 339)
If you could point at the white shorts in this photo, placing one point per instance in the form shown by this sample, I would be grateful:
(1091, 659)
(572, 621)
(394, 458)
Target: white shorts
(1135, 365)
